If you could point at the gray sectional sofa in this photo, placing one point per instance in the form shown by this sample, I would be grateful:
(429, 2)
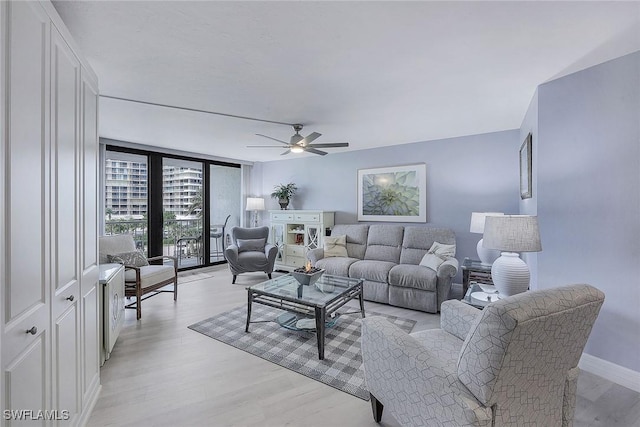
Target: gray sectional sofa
(387, 257)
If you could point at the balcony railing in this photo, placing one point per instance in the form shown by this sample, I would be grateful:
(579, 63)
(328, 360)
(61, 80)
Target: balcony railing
(181, 238)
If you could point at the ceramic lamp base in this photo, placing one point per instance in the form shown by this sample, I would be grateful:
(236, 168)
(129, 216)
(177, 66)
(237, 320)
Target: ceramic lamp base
(510, 274)
(486, 256)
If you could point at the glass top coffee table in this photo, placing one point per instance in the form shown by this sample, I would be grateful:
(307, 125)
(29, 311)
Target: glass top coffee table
(319, 301)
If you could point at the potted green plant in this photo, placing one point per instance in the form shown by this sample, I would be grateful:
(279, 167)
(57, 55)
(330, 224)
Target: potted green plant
(283, 193)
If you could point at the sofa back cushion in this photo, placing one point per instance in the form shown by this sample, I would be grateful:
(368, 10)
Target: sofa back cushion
(356, 238)
(418, 239)
(384, 242)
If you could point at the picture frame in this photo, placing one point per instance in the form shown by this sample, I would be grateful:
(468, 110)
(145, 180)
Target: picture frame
(526, 149)
(395, 194)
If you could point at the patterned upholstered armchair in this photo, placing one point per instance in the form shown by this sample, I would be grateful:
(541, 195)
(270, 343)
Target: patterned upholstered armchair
(249, 251)
(513, 364)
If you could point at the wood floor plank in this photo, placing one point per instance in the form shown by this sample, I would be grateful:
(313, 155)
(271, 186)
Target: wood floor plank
(163, 374)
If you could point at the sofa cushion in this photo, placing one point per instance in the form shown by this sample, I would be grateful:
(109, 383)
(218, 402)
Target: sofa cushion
(377, 271)
(418, 240)
(356, 238)
(431, 261)
(335, 246)
(384, 243)
(413, 276)
(338, 266)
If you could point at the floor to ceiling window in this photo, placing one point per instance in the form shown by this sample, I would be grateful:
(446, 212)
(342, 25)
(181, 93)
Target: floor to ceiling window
(125, 204)
(225, 205)
(167, 202)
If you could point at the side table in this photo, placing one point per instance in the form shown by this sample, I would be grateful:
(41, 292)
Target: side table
(474, 271)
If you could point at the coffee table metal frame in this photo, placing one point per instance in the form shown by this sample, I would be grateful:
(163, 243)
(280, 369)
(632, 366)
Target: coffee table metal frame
(295, 303)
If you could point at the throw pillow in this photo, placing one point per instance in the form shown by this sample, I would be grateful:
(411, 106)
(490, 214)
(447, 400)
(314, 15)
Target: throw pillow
(442, 250)
(335, 246)
(431, 261)
(251, 245)
(134, 259)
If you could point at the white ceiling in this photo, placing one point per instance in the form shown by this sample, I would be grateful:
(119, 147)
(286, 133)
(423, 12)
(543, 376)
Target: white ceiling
(370, 73)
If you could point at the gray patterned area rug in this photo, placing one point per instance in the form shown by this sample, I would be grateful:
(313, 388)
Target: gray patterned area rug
(298, 350)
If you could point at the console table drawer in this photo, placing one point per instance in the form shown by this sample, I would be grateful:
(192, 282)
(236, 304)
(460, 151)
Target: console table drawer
(295, 250)
(296, 261)
(281, 217)
(307, 217)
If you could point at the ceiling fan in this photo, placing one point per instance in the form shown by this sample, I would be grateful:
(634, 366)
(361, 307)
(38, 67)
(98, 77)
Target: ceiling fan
(300, 144)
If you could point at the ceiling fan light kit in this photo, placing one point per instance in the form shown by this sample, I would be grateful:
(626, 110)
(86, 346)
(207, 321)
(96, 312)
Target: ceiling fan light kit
(299, 144)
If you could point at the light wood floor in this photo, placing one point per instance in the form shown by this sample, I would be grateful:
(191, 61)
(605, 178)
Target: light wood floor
(163, 374)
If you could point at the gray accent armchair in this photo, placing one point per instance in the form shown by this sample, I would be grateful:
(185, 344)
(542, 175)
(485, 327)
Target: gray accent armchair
(513, 364)
(249, 251)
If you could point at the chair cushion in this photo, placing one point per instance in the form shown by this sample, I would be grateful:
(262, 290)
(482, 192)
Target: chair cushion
(133, 258)
(248, 245)
(115, 244)
(377, 271)
(338, 266)
(335, 246)
(151, 274)
(443, 345)
(413, 276)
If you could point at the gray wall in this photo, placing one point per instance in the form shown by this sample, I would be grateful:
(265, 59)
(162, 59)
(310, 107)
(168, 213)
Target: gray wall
(466, 174)
(589, 196)
(530, 206)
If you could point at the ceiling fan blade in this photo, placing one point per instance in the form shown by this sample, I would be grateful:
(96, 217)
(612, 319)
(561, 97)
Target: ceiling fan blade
(311, 137)
(314, 151)
(286, 152)
(264, 146)
(274, 139)
(330, 145)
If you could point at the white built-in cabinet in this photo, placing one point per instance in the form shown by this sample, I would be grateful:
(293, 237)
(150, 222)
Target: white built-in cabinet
(49, 315)
(295, 232)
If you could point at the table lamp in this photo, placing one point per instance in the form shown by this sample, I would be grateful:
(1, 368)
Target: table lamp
(255, 204)
(486, 256)
(511, 234)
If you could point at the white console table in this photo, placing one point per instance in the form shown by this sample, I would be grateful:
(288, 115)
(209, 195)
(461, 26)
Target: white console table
(295, 232)
(112, 307)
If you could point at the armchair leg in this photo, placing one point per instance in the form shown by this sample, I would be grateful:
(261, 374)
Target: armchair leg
(269, 275)
(234, 279)
(377, 408)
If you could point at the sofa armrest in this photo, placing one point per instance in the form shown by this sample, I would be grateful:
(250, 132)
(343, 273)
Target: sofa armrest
(449, 268)
(457, 317)
(314, 255)
(412, 382)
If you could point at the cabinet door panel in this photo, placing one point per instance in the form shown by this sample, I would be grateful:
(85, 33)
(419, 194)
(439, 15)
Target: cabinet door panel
(90, 334)
(65, 344)
(26, 380)
(90, 176)
(27, 160)
(65, 81)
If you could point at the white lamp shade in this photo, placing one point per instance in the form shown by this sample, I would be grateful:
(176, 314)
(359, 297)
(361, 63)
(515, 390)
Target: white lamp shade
(478, 220)
(512, 233)
(255, 204)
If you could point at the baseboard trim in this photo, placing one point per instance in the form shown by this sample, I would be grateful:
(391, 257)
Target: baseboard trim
(616, 373)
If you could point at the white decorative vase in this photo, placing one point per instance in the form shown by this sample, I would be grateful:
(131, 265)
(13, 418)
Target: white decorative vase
(510, 274)
(487, 256)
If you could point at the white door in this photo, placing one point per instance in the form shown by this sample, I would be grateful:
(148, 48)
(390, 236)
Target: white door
(65, 79)
(24, 153)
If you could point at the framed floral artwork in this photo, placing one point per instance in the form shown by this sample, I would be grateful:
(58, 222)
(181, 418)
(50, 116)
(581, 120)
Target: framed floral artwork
(396, 193)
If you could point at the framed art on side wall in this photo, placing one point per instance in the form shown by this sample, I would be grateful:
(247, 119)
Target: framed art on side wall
(525, 168)
(396, 193)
